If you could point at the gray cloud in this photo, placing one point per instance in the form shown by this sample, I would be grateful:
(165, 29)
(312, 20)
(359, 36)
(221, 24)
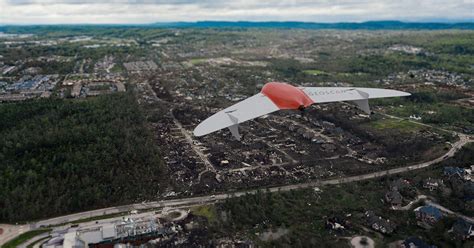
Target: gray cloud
(145, 11)
(45, 2)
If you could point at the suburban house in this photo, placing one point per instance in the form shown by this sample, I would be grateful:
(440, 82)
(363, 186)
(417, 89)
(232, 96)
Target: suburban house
(428, 215)
(378, 223)
(462, 229)
(415, 242)
(432, 184)
(394, 198)
(454, 172)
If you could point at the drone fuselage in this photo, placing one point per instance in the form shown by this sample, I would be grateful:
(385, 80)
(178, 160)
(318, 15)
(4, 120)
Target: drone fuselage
(286, 96)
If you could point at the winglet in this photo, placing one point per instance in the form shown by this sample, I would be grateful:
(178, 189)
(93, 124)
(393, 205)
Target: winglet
(234, 129)
(363, 104)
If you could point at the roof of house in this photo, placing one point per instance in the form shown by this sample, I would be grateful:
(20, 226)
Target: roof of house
(468, 198)
(469, 188)
(394, 196)
(430, 210)
(450, 171)
(399, 184)
(416, 242)
(432, 181)
(374, 219)
(462, 227)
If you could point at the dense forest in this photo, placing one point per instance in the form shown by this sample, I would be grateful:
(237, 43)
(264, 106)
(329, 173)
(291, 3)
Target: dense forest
(63, 156)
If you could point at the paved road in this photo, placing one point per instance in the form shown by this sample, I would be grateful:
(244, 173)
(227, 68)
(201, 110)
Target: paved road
(410, 205)
(190, 140)
(186, 134)
(11, 231)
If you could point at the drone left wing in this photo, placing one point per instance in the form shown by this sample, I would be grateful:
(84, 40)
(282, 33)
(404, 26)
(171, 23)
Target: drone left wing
(232, 116)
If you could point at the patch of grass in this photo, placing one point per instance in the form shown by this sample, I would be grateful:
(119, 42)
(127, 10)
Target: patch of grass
(117, 68)
(197, 61)
(207, 211)
(442, 114)
(315, 72)
(347, 74)
(174, 215)
(402, 125)
(24, 237)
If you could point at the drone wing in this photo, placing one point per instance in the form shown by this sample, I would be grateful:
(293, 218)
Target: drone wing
(232, 116)
(360, 96)
(275, 96)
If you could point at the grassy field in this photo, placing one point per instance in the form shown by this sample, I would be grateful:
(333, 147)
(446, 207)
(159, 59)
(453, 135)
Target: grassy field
(441, 114)
(197, 61)
(389, 123)
(207, 211)
(315, 72)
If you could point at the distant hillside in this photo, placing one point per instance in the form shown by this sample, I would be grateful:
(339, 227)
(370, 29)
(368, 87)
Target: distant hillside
(371, 25)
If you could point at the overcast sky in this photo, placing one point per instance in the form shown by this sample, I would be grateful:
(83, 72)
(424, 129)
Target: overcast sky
(148, 11)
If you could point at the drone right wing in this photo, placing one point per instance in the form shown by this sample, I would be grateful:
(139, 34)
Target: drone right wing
(359, 96)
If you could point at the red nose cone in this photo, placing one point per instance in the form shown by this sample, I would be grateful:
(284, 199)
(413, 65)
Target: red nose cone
(286, 96)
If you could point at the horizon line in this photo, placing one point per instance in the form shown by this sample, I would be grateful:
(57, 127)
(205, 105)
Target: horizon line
(447, 22)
